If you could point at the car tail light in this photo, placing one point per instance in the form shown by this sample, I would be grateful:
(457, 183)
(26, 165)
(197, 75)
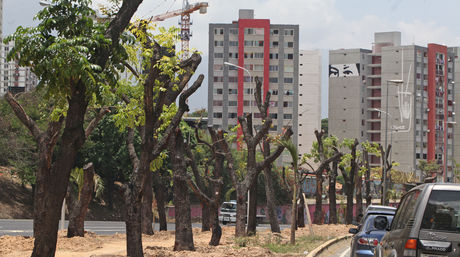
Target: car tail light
(363, 241)
(368, 241)
(411, 244)
(410, 248)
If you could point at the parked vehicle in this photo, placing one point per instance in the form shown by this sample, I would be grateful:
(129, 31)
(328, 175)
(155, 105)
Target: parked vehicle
(368, 234)
(227, 213)
(376, 210)
(426, 224)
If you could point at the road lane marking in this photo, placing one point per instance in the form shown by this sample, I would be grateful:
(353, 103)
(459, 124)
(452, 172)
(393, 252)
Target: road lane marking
(346, 252)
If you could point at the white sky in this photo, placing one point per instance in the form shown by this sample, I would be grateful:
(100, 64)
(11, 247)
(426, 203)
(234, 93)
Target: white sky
(324, 24)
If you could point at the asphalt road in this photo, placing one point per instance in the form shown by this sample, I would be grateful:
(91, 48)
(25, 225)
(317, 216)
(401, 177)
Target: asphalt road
(340, 249)
(25, 227)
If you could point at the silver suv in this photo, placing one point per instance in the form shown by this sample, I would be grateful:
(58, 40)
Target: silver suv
(426, 224)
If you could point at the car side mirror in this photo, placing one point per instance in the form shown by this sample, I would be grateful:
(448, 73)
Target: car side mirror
(381, 222)
(353, 231)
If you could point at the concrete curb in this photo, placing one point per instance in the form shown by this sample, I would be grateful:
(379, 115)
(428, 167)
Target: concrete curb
(326, 245)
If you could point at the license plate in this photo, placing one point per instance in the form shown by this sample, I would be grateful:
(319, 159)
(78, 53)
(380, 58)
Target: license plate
(432, 255)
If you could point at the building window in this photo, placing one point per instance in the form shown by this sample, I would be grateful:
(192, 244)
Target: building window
(288, 44)
(288, 92)
(248, 31)
(273, 80)
(218, 91)
(288, 80)
(232, 115)
(258, 55)
(289, 32)
(218, 43)
(218, 79)
(273, 68)
(273, 103)
(248, 43)
(232, 79)
(233, 43)
(232, 103)
(232, 91)
(274, 92)
(288, 68)
(287, 116)
(233, 55)
(218, 67)
(217, 103)
(273, 56)
(274, 44)
(287, 104)
(219, 31)
(289, 56)
(273, 115)
(233, 31)
(218, 55)
(273, 32)
(217, 115)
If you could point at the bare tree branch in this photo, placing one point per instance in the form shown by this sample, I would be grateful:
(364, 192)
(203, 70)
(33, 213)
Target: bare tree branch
(23, 117)
(92, 125)
(279, 150)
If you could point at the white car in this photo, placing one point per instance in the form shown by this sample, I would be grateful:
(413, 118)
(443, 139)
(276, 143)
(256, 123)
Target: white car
(227, 212)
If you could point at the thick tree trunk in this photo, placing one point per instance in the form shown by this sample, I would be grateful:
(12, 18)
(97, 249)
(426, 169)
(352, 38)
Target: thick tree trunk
(359, 196)
(240, 213)
(367, 177)
(252, 224)
(271, 206)
(147, 199)
(160, 198)
(333, 194)
(52, 179)
(205, 218)
(78, 213)
(216, 229)
(318, 219)
(349, 214)
(183, 235)
(301, 212)
(133, 226)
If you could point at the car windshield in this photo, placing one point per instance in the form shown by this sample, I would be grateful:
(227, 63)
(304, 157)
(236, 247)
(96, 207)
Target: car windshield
(369, 222)
(442, 211)
(229, 207)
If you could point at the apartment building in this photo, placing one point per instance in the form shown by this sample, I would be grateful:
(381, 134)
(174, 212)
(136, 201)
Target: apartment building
(398, 95)
(243, 49)
(309, 107)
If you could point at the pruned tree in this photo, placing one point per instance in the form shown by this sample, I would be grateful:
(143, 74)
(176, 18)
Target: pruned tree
(323, 152)
(349, 167)
(253, 167)
(73, 57)
(386, 169)
(163, 79)
(210, 195)
(183, 234)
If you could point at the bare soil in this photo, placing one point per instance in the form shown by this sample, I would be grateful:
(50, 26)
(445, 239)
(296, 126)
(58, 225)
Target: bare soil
(161, 244)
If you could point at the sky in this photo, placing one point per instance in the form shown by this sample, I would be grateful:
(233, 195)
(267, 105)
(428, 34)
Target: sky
(324, 24)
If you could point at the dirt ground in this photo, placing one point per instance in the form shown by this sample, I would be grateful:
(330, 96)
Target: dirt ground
(160, 244)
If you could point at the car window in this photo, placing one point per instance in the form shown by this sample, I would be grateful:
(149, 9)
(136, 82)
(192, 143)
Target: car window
(229, 207)
(442, 211)
(369, 223)
(406, 210)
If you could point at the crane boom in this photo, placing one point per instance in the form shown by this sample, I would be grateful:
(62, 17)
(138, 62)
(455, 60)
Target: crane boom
(191, 8)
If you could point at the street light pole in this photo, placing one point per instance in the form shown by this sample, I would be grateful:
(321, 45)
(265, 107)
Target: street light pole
(250, 83)
(397, 82)
(250, 111)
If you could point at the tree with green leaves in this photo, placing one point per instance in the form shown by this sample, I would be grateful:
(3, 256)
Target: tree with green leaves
(149, 106)
(74, 58)
(349, 167)
(323, 152)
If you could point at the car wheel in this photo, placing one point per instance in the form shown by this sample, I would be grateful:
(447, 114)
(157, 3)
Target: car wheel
(224, 222)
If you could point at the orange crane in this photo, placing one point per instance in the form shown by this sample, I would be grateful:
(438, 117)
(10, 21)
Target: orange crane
(185, 22)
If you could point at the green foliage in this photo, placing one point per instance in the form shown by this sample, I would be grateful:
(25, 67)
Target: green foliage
(325, 125)
(63, 50)
(329, 142)
(275, 244)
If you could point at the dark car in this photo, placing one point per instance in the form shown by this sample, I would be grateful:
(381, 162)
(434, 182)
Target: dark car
(427, 223)
(369, 234)
(375, 210)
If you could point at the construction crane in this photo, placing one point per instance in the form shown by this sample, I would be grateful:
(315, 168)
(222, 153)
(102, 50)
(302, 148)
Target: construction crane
(185, 22)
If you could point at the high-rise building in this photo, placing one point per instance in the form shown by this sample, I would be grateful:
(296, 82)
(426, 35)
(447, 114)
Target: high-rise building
(309, 107)
(240, 51)
(13, 77)
(399, 95)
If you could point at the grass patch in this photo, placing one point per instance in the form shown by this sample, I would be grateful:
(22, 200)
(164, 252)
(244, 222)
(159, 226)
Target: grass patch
(276, 244)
